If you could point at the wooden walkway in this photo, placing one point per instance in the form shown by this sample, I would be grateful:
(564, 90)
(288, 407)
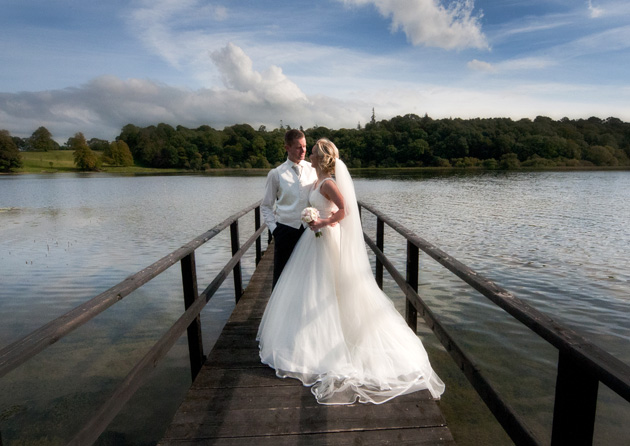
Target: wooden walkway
(236, 400)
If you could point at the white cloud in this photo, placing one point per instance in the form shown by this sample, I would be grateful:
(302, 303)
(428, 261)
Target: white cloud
(104, 105)
(522, 64)
(526, 63)
(180, 32)
(101, 107)
(237, 71)
(430, 23)
(478, 65)
(532, 25)
(594, 11)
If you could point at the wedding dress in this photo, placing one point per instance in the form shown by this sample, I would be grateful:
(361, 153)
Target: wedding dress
(328, 323)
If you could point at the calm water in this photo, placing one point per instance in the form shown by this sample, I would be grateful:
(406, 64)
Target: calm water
(556, 239)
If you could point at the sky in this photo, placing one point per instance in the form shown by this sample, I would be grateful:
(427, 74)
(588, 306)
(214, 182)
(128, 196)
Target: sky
(93, 66)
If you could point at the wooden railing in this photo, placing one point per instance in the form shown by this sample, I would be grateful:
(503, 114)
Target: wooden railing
(581, 364)
(24, 349)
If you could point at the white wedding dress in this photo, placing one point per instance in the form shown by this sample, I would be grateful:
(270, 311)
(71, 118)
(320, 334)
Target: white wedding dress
(329, 325)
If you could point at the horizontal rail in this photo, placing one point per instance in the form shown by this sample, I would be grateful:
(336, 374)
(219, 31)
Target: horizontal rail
(138, 375)
(609, 370)
(513, 424)
(25, 348)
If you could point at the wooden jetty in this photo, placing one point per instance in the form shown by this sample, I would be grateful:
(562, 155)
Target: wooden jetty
(237, 400)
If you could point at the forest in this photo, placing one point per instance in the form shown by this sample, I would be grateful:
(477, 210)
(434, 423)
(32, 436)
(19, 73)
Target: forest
(402, 141)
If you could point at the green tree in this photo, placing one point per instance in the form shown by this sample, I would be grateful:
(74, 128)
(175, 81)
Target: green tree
(10, 157)
(84, 157)
(21, 143)
(601, 156)
(41, 141)
(509, 161)
(98, 145)
(118, 154)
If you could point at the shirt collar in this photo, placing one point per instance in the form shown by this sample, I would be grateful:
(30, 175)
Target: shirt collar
(291, 163)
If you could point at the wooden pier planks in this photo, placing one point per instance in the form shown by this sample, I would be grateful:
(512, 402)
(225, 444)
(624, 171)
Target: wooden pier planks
(236, 400)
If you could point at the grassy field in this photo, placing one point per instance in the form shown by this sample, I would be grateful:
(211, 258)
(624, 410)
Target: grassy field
(63, 161)
(55, 161)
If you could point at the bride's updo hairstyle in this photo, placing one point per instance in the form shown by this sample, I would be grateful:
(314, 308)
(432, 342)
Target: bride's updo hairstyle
(327, 153)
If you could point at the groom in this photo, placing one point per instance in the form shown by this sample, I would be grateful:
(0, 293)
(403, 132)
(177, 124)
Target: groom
(287, 190)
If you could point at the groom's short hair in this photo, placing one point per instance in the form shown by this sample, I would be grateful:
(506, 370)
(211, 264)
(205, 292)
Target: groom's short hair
(292, 135)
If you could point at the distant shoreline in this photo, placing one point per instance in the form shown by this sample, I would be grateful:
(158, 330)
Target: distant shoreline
(62, 161)
(136, 170)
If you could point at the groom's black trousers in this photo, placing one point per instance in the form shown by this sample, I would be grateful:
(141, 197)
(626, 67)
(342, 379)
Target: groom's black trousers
(286, 238)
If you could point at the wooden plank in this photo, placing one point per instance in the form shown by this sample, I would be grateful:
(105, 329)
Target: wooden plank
(297, 418)
(425, 437)
(246, 377)
(279, 397)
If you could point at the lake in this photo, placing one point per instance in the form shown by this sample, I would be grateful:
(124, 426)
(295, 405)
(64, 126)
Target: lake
(557, 240)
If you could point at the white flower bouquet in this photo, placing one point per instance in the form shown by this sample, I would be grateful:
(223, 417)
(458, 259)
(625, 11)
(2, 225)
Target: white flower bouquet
(309, 215)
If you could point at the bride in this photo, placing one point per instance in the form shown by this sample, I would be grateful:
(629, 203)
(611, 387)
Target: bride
(327, 322)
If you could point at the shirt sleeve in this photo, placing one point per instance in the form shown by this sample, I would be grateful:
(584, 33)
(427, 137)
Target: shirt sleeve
(269, 200)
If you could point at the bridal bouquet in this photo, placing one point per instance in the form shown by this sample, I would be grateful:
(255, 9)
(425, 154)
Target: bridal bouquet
(310, 215)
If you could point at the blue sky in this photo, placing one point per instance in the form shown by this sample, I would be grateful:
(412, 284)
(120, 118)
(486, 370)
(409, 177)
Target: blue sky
(94, 66)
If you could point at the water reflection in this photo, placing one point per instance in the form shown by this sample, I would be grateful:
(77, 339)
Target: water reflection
(556, 239)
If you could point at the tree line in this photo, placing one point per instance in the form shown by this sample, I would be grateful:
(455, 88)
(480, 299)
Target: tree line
(88, 155)
(402, 141)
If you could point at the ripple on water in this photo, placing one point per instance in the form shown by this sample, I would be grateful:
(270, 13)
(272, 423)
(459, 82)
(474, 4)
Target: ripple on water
(556, 240)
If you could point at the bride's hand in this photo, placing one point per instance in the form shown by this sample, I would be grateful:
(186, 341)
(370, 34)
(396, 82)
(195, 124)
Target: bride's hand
(317, 225)
(331, 216)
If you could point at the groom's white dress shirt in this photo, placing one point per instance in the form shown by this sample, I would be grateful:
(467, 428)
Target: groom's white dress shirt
(286, 194)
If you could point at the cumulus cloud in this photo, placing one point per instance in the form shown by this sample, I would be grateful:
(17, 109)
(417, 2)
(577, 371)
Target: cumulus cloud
(430, 23)
(237, 72)
(104, 105)
(101, 107)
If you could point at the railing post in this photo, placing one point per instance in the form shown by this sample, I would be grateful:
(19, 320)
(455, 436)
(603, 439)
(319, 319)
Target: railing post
(575, 404)
(259, 239)
(380, 234)
(195, 340)
(238, 279)
(411, 314)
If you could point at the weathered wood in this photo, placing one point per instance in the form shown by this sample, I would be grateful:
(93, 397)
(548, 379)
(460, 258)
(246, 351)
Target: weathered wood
(225, 378)
(585, 359)
(238, 278)
(513, 424)
(140, 372)
(237, 400)
(380, 243)
(249, 417)
(609, 370)
(191, 294)
(575, 405)
(25, 348)
(365, 437)
(258, 240)
(411, 314)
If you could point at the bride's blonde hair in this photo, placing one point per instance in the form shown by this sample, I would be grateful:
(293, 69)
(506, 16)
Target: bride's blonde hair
(327, 153)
